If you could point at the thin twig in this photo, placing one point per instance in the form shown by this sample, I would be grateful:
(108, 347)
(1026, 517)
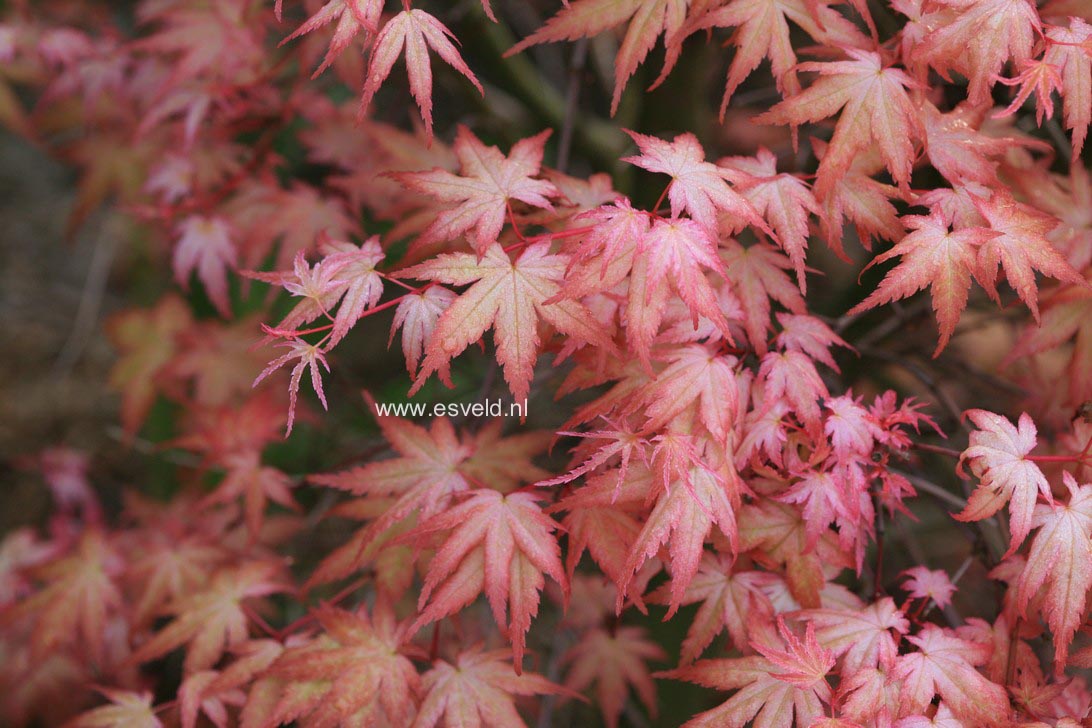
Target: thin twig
(917, 555)
(881, 530)
(955, 580)
(922, 376)
(558, 646)
(1054, 129)
(150, 448)
(933, 489)
(891, 325)
(84, 324)
(572, 99)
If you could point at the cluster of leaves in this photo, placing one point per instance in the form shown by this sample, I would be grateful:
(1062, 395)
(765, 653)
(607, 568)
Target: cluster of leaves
(722, 472)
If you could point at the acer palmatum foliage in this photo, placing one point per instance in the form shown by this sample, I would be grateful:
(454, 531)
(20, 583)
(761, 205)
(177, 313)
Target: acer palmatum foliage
(729, 467)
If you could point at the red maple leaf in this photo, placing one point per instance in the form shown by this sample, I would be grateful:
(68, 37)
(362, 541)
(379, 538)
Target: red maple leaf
(875, 110)
(416, 31)
(214, 618)
(1061, 559)
(648, 19)
(614, 661)
(205, 245)
(477, 200)
(352, 16)
(478, 690)
(508, 296)
(1020, 249)
(935, 257)
(499, 544)
(697, 186)
(785, 682)
(944, 665)
(355, 671)
(997, 455)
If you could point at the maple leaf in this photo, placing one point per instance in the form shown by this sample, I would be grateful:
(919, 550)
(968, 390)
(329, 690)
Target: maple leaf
(729, 602)
(869, 695)
(622, 442)
(697, 378)
(212, 619)
(809, 336)
(417, 31)
(310, 357)
(417, 316)
(617, 229)
(1060, 557)
(221, 433)
(1065, 317)
(924, 583)
(478, 690)
(791, 375)
(1040, 78)
(860, 199)
(435, 466)
(614, 661)
(20, 551)
(677, 252)
(297, 218)
(212, 691)
(508, 297)
(359, 286)
(204, 245)
(757, 274)
(852, 429)
(586, 18)
(771, 689)
(113, 165)
(499, 544)
(76, 602)
(164, 570)
(765, 432)
(683, 516)
(219, 362)
(353, 673)
(997, 455)
(933, 257)
(680, 251)
(783, 199)
(1067, 50)
(478, 198)
(127, 710)
(503, 462)
(257, 484)
(218, 41)
(957, 148)
(1020, 249)
(862, 638)
(315, 285)
(876, 110)
(825, 498)
(352, 16)
(697, 186)
(606, 532)
(944, 665)
(764, 33)
(979, 40)
(147, 343)
(780, 533)
(392, 562)
(65, 471)
(673, 254)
